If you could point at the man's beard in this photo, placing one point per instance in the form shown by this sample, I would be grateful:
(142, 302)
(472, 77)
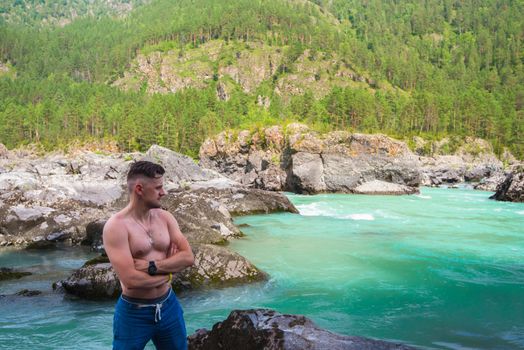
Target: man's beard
(153, 205)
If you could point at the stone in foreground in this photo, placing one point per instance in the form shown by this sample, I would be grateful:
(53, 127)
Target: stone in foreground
(269, 330)
(512, 189)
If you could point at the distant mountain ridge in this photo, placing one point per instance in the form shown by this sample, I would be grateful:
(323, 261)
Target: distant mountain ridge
(81, 69)
(61, 13)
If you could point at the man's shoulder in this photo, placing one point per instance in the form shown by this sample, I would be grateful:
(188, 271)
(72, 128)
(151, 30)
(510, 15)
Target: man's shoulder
(116, 223)
(163, 214)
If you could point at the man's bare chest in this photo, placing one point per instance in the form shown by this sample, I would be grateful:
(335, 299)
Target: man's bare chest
(143, 243)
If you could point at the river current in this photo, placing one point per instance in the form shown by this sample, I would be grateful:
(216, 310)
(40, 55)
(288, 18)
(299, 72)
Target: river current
(440, 270)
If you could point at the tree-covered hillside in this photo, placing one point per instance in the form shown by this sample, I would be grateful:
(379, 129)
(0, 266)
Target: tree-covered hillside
(155, 75)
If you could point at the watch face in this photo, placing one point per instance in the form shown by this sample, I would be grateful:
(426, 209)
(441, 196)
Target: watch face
(152, 268)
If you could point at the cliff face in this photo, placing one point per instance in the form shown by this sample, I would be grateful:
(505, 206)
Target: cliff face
(301, 160)
(243, 66)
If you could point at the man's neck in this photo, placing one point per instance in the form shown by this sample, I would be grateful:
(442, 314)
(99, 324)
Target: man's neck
(139, 211)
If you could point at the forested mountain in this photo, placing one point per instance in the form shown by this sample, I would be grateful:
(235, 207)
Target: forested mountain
(174, 72)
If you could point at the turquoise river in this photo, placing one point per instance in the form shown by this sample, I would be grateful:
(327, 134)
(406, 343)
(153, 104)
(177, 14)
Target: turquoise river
(440, 270)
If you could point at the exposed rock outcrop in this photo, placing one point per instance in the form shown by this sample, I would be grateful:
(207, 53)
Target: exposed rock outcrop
(512, 189)
(246, 67)
(51, 198)
(451, 162)
(300, 160)
(267, 329)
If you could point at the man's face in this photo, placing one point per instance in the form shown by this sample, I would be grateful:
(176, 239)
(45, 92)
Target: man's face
(153, 191)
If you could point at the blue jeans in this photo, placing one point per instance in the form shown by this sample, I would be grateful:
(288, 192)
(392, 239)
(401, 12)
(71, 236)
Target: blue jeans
(136, 321)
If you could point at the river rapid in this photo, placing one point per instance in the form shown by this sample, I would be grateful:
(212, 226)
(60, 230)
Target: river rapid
(440, 270)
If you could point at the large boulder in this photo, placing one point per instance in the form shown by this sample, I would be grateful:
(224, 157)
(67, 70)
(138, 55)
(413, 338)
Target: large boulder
(180, 169)
(267, 329)
(512, 189)
(216, 267)
(97, 281)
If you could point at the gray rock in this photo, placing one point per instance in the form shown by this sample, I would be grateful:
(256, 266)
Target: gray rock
(204, 214)
(306, 173)
(378, 187)
(179, 168)
(491, 183)
(98, 281)
(216, 266)
(267, 329)
(9, 274)
(303, 161)
(28, 293)
(512, 189)
(341, 174)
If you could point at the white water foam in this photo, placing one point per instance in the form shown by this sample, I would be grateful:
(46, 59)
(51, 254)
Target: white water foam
(367, 217)
(423, 196)
(521, 212)
(317, 209)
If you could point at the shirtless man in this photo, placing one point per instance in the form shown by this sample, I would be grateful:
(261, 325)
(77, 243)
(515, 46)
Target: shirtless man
(145, 247)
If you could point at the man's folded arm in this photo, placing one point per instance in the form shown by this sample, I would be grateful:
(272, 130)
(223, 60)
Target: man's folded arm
(183, 256)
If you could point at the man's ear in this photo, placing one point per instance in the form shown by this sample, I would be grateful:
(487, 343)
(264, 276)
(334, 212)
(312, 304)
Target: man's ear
(139, 188)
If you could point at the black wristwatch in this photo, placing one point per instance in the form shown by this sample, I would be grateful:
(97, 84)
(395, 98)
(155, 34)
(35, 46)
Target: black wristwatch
(151, 270)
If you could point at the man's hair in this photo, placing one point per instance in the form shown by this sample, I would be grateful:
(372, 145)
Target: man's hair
(144, 168)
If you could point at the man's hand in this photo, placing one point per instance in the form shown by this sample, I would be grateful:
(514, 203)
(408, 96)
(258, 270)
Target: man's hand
(172, 250)
(141, 265)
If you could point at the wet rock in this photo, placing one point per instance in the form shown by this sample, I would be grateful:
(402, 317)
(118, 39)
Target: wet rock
(216, 266)
(28, 293)
(94, 231)
(41, 244)
(7, 273)
(97, 281)
(102, 258)
(267, 329)
(512, 189)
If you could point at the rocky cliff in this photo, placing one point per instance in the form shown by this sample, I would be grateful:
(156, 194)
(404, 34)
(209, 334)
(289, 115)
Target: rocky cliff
(303, 161)
(243, 66)
(298, 159)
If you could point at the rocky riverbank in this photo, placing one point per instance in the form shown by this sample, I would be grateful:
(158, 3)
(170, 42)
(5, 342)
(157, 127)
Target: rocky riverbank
(298, 159)
(65, 199)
